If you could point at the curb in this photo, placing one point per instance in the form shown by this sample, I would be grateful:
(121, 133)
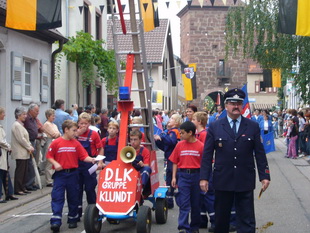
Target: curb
(23, 200)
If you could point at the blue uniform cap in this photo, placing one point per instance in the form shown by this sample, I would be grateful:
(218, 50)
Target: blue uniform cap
(234, 95)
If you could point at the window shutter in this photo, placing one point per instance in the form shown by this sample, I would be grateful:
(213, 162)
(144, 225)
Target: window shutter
(16, 75)
(44, 81)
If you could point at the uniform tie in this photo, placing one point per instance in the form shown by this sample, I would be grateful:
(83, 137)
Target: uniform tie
(235, 127)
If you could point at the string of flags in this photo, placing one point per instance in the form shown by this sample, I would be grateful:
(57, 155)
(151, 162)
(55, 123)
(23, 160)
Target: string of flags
(46, 14)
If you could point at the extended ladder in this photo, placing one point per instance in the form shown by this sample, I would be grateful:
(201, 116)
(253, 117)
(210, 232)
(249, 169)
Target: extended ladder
(136, 64)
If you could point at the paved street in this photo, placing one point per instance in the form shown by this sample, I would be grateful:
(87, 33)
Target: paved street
(283, 208)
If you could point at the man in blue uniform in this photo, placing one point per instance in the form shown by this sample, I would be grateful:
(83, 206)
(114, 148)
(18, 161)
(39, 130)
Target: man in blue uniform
(237, 145)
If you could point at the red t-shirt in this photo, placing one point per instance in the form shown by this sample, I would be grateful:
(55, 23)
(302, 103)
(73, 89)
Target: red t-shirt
(111, 141)
(187, 155)
(67, 152)
(95, 142)
(201, 136)
(145, 154)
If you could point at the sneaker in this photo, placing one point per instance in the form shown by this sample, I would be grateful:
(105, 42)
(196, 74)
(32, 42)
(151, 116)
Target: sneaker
(55, 227)
(72, 225)
(182, 231)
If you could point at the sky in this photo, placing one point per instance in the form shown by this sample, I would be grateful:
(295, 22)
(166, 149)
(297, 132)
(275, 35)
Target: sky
(171, 13)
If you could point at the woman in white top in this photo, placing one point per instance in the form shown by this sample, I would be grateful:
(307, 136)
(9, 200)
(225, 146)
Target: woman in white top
(21, 149)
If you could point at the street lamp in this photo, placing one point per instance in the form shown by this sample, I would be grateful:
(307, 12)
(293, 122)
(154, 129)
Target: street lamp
(151, 84)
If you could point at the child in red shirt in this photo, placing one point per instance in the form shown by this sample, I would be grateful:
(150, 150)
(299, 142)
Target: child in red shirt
(64, 154)
(110, 143)
(200, 120)
(186, 158)
(142, 160)
(91, 142)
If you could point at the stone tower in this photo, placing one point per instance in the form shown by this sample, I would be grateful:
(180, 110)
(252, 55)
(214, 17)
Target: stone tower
(203, 42)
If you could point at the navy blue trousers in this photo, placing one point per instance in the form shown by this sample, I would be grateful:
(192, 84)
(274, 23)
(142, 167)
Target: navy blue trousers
(65, 182)
(88, 183)
(207, 205)
(145, 175)
(244, 204)
(188, 200)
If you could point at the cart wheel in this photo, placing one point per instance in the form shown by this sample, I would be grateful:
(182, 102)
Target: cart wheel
(91, 222)
(161, 210)
(144, 219)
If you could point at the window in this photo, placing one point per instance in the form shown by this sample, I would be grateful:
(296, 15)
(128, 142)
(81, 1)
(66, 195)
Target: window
(27, 78)
(221, 68)
(86, 18)
(98, 27)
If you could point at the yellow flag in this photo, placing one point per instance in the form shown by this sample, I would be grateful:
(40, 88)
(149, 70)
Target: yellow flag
(303, 19)
(187, 88)
(147, 12)
(159, 96)
(276, 78)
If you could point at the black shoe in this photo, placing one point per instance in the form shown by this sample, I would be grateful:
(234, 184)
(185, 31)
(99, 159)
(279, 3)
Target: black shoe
(195, 231)
(2, 201)
(49, 185)
(32, 188)
(11, 198)
(232, 228)
(55, 227)
(72, 225)
(182, 231)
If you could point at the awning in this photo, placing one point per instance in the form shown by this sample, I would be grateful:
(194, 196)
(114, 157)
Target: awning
(262, 106)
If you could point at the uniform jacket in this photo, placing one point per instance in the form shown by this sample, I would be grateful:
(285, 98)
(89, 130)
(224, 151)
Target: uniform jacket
(20, 142)
(234, 165)
(169, 140)
(258, 119)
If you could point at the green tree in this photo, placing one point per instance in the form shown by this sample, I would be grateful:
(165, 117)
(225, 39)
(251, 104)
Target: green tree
(252, 29)
(92, 61)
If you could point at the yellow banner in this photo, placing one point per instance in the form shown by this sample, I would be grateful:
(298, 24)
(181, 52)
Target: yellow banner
(147, 12)
(21, 15)
(276, 78)
(303, 19)
(159, 98)
(187, 88)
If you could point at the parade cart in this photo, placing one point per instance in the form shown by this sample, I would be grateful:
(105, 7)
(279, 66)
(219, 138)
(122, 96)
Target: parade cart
(120, 195)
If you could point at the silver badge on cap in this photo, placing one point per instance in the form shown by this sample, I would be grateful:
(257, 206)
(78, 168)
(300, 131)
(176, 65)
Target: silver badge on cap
(236, 96)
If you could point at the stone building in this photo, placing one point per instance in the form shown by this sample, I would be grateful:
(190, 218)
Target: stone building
(203, 42)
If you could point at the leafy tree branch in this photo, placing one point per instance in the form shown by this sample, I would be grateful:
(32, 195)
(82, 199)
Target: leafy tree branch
(92, 60)
(252, 29)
